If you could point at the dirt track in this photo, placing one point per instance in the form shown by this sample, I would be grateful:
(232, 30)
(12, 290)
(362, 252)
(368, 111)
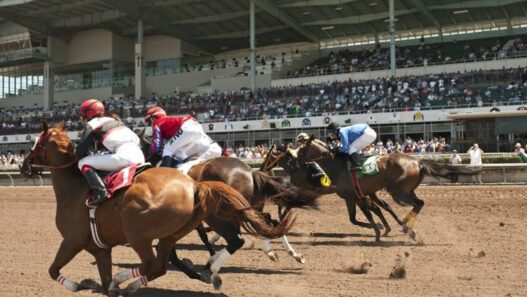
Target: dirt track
(475, 245)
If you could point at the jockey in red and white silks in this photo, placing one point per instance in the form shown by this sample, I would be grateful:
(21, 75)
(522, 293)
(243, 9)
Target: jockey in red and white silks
(178, 138)
(122, 143)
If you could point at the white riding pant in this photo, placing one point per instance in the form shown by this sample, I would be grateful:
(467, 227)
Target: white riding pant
(125, 155)
(213, 152)
(368, 136)
(190, 141)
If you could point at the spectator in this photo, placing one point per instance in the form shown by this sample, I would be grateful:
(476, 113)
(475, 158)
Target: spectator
(476, 155)
(518, 148)
(454, 160)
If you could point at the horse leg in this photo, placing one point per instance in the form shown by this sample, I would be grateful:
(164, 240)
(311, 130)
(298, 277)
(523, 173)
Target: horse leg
(205, 239)
(352, 212)
(365, 207)
(386, 207)
(266, 243)
(377, 211)
(410, 219)
(103, 258)
(214, 238)
(231, 233)
(285, 242)
(150, 268)
(67, 251)
(182, 265)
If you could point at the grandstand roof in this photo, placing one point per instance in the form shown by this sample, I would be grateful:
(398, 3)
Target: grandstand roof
(224, 24)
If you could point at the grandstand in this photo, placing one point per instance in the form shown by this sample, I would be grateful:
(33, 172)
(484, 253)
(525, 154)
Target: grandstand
(260, 71)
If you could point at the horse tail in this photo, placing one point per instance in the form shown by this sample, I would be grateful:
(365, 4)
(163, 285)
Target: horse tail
(251, 220)
(435, 169)
(282, 195)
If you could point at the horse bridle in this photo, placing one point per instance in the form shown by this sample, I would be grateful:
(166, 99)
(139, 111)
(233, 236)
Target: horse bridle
(39, 150)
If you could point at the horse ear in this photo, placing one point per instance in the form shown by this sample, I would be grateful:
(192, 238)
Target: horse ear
(45, 126)
(61, 126)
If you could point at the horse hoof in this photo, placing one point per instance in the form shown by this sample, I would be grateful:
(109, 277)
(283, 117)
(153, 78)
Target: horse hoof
(90, 284)
(380, 226)
(273, 256)
(187, 262)
(206, 276)
(114, 291)
(300, 258)
(387, 232)
(216, 281)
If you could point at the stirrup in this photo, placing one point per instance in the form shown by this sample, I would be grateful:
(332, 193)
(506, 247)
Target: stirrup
(95, 202)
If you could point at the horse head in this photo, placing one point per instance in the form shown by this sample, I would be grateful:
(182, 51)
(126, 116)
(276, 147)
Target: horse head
(53, 149)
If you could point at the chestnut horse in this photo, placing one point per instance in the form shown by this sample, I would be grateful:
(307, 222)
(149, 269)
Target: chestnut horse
(256, 187)
(399, 175)
(160, 204)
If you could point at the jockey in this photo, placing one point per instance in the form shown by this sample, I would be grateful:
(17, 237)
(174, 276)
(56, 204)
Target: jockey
(176, 138)
(353, 139)
(111, 134)
(302, 138)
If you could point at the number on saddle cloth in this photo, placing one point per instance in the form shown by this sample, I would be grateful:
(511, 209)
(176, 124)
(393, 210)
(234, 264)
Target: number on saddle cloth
(369, 166)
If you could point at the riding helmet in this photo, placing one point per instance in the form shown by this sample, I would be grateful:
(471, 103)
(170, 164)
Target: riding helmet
(333, 127)
(91, 108)
(155, 112)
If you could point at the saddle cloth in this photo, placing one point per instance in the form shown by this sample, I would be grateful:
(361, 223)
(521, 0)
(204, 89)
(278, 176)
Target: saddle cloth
(123, 178)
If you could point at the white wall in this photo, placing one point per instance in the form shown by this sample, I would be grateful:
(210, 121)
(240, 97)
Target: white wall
(449, 68)
(161, 47)
(90, 45)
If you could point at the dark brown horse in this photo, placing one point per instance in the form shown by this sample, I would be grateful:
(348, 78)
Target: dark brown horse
(160, 204)
(257, 188)
(399, 175)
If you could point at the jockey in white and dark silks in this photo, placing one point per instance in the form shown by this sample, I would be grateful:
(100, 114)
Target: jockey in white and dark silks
(353, 139)
(177, 138)
(111, 134)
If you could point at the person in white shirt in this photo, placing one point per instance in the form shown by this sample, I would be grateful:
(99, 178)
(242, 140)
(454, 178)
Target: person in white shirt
(476, 155)
(454, 160)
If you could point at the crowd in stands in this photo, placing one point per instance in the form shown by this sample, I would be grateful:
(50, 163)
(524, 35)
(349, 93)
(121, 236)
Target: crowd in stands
(256, 152)
(10, 159)
(474, 88)
(408, 146)
(378, 58)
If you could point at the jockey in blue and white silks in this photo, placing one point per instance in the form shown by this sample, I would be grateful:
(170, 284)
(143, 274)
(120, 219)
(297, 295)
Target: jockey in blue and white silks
(353, 139)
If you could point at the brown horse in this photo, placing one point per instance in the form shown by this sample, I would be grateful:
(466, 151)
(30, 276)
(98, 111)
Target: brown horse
(399, 175)
(160, 204)
(257, 187)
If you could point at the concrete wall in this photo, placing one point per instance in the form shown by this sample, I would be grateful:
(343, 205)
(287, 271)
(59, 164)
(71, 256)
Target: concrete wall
(187, 81)
(59, 51)
(89, 46)
(235, 83)
(10, 28)
(26, 101)
(80, 95)
(448, 68)
(161, 47)
(122, 48)
(269, 50)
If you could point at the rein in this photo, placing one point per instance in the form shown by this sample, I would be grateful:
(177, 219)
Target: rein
(41, 149)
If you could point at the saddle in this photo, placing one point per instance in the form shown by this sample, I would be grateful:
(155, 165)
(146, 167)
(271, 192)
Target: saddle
(123, 178)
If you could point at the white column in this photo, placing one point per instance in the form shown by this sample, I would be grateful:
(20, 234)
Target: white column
(253, 46)
(392, 38)
(139, 62)
(48, 77)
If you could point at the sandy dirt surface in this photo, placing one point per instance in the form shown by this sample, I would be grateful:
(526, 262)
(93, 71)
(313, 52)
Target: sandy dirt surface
(475, 245)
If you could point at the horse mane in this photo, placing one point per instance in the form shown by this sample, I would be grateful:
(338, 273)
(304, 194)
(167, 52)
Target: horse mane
(61, 139)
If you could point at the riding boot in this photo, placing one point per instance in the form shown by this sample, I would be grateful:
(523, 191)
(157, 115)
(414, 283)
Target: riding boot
(355, 162)
(96, 185)
(166, 161)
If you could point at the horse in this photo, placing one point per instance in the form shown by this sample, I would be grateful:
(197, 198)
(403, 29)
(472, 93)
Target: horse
(160, 204)
(257, 188)
(399, 175)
